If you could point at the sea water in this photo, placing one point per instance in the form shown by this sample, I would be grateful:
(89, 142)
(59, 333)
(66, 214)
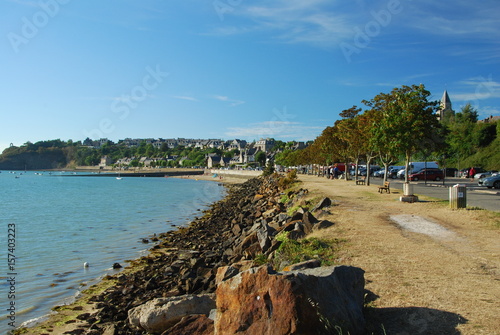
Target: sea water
(50, 225)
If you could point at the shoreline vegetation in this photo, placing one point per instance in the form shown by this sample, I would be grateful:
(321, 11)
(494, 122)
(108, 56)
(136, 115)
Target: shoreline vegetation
(408, 287)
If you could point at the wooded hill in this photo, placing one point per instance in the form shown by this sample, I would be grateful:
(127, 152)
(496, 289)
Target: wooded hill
(55, 154)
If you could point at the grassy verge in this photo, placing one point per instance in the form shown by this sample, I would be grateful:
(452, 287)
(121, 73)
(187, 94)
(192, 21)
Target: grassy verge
(295, 251)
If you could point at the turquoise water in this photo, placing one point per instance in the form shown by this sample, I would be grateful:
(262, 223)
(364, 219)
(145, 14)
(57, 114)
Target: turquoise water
(62, 222)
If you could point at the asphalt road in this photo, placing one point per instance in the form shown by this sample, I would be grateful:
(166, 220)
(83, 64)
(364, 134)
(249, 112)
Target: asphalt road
(477, 196)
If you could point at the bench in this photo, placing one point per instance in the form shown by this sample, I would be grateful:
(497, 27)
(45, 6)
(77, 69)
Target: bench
(361, 181)
(385, 187)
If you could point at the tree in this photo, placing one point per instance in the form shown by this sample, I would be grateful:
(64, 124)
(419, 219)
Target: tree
(408, 122)
(484, 134)
(141, 149)
(261, 157)
(341, 148)
(279, 145)
(322, 151)
(380, 139)
(366, 122)
(164, 147)
(348, 130)
(150, 150)
(269, 170)
(460, 138)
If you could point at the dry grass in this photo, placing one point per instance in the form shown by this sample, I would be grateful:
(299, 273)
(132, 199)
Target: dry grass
(417, 284)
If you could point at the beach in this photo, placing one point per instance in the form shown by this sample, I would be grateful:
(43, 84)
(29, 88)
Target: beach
(417, 282)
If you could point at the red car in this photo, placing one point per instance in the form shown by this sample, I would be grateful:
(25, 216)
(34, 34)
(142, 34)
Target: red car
(427, 174)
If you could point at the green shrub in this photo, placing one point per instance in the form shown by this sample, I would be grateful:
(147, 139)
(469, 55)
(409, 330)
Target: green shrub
(260, 259)
(289, 179)
(292, 251)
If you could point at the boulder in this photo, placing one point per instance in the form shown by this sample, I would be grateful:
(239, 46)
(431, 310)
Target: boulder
(281, 218)
(226, 272)
(307, 217)
(269, 213)
(312, 263)
(325, 202)
(192, 324)
(323, 224)
(265, 236)
(159, 314)
(298, 214)
(311, 301)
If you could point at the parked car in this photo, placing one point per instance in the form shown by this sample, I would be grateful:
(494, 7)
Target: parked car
(490, 182)
(415, 167)
(451, 172)
(427, 174)
(484, 174)
(393, 171)
(361, 172)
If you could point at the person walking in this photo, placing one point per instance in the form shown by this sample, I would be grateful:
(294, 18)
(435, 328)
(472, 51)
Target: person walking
(472, 172)
(336, 172)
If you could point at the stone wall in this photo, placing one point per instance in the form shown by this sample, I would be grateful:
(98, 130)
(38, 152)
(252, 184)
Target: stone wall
(236, 173)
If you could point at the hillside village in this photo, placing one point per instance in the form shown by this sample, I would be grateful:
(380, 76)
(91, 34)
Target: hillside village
(460, 138)
(228, 153)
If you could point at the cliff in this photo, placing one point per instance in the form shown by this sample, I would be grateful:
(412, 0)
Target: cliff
(52, 158)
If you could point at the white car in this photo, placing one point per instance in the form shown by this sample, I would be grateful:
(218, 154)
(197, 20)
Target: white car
(490, 182)
(401, 174)
(486, 174)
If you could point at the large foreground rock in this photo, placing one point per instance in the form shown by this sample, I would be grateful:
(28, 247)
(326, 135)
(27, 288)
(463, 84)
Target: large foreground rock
(310, 301)
(158, 315)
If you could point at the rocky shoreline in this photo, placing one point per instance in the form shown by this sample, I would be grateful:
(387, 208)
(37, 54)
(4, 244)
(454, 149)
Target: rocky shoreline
(195, 261)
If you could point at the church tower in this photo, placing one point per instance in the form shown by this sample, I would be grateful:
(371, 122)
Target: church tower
(445, 106)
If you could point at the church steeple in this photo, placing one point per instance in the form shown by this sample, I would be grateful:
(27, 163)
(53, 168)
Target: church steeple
(445, 100)
(445, 105)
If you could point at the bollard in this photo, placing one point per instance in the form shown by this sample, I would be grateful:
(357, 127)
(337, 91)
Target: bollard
(458, 196)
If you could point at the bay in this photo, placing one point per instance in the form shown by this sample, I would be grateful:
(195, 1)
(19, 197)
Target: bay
(62, 221)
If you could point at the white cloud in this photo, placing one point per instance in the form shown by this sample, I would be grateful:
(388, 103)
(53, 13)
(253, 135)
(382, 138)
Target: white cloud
(326, 23)
(232, 102)
(478, 88)
(464, 18)
(487, 111)
(184, 97)
(292, 21)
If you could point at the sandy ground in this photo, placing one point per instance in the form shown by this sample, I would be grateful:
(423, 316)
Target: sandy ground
(429, 269)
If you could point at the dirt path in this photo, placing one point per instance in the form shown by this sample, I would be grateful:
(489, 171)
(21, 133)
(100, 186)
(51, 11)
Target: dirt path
(431, 271)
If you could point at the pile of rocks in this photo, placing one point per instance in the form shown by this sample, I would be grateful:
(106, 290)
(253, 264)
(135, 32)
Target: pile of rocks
(173, 293)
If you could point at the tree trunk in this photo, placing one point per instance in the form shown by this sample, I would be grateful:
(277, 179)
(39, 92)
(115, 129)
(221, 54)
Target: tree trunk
(356, 162)
(368, 161)
(386, 170)
(407, 167)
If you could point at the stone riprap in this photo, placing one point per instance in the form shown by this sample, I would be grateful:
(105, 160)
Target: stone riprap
(191, 262)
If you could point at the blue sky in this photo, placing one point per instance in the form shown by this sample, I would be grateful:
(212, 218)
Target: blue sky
(232, 68)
